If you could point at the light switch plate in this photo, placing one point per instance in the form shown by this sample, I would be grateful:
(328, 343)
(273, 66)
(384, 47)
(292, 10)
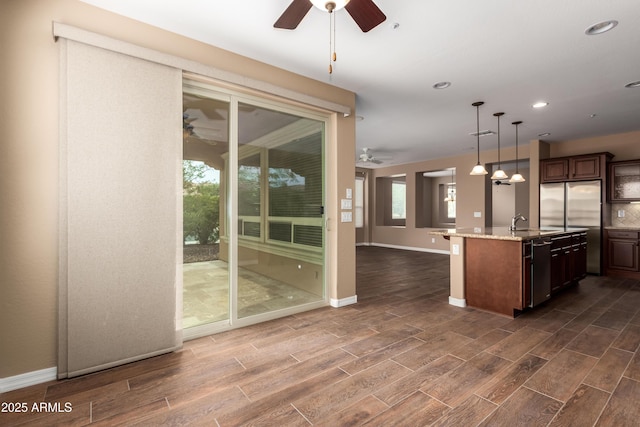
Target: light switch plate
(346, 204)
(346, 216)
(349, 194)
(477, 214)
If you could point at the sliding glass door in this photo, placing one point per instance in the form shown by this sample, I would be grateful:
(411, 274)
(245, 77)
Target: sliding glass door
(253, 208)
(205, 131)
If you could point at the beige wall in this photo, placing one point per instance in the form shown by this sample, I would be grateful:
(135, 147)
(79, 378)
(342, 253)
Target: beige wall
(472, 191)
(29, 164)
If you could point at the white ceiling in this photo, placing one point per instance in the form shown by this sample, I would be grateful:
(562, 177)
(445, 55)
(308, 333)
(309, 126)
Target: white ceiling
(506, 53)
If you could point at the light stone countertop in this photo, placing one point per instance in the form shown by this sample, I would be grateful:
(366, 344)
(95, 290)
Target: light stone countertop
(622, 228)
(503, 233)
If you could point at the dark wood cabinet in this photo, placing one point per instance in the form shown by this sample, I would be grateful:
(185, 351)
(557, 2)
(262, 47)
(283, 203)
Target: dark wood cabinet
(575, 168)
(624, 181)
(568, 260)
(526, 274)
(500, 275)
(553, 170)
(622, 251)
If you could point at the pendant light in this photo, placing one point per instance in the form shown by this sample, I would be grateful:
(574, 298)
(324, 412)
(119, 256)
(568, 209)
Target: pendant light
(516, 177)
(478, 169)
(450, 191)
(499, 174)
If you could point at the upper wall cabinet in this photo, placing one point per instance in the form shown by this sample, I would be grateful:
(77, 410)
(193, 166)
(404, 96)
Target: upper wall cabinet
(576, 168)
(624, 181)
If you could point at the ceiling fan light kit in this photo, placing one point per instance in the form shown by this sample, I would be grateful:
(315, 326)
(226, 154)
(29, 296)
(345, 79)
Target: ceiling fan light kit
(364, 12)
(478, 169)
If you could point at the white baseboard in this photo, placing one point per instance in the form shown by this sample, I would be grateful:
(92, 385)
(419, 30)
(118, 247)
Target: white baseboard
(336, 303)
(28, 379)
(411, 248)
(458, 302)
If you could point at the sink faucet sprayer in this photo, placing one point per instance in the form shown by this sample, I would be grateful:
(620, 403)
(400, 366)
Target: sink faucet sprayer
(514, 221)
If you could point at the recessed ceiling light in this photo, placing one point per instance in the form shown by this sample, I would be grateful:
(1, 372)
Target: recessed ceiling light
(544, 134)
(441, 85)
(633, 84)
(600, 27)
(540, 104)
(592, 115)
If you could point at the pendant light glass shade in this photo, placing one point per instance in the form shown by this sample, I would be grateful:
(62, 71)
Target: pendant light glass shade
(499, 174)
(478, 169)
(517, 177)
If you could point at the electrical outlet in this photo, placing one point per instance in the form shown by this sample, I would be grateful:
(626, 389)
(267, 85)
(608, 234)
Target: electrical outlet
(620, 213)
(477, 214)
(455, 249)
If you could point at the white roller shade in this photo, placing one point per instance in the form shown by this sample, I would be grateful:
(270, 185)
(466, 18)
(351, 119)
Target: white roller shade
(120, 224)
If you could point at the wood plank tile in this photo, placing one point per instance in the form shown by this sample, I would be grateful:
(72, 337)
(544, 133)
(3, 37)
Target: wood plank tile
(524, 408)
(613, 319)
(202, 411)
(65, 388)
(432, 349)
(258, 412)
(607, 372)
(473, 348)
(381, 340)
(562, 375)
(633, 370)
(510, 379)
(622, 409)
(519, 343)
(290, 375)
(405, 386)
(552, 321)
(582, 409)
(357, 414)
(593, 341)
(416, 410)
(556, 342)
(137, 415)
(469, 413)
(584, 319)
(341, 395)
(376, 357)
(455, 386)
(629, 339)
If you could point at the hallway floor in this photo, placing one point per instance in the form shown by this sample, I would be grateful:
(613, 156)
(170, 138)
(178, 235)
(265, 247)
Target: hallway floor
(401, 356)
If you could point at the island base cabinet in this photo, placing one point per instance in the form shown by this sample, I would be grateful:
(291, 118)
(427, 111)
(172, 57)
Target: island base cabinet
(494, 275)
(499, 274)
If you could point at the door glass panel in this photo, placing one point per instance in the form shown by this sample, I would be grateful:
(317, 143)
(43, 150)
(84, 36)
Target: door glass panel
(205, 125)
(280, 210)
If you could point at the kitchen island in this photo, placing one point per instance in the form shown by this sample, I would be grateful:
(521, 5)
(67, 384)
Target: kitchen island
(507, 272)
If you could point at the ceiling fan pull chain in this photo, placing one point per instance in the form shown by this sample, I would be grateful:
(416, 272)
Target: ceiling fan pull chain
(330, 42)
(333, 22)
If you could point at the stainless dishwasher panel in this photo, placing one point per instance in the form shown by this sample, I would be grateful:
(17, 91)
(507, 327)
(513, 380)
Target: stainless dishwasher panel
(540, 270)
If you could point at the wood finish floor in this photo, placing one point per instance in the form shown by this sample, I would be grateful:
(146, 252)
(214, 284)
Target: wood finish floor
(401, 356)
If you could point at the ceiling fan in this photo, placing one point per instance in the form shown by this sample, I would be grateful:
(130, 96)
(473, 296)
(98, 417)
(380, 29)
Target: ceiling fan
(364, 12)
(367, 157)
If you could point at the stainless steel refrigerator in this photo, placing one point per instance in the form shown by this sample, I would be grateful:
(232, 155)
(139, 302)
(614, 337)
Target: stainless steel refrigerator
(575, 204)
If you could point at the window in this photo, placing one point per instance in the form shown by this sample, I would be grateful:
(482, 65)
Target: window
(398, 200)
(359, 202)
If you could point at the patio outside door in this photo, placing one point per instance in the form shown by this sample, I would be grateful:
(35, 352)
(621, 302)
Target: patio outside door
(253, 210)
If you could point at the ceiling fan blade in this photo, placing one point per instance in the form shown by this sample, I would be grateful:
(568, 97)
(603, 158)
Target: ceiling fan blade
(366, 14)
(293, 15)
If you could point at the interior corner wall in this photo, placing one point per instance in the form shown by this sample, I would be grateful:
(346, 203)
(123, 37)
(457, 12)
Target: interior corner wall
(29, 163)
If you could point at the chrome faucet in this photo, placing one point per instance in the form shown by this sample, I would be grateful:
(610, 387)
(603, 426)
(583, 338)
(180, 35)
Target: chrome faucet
(515, 220)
